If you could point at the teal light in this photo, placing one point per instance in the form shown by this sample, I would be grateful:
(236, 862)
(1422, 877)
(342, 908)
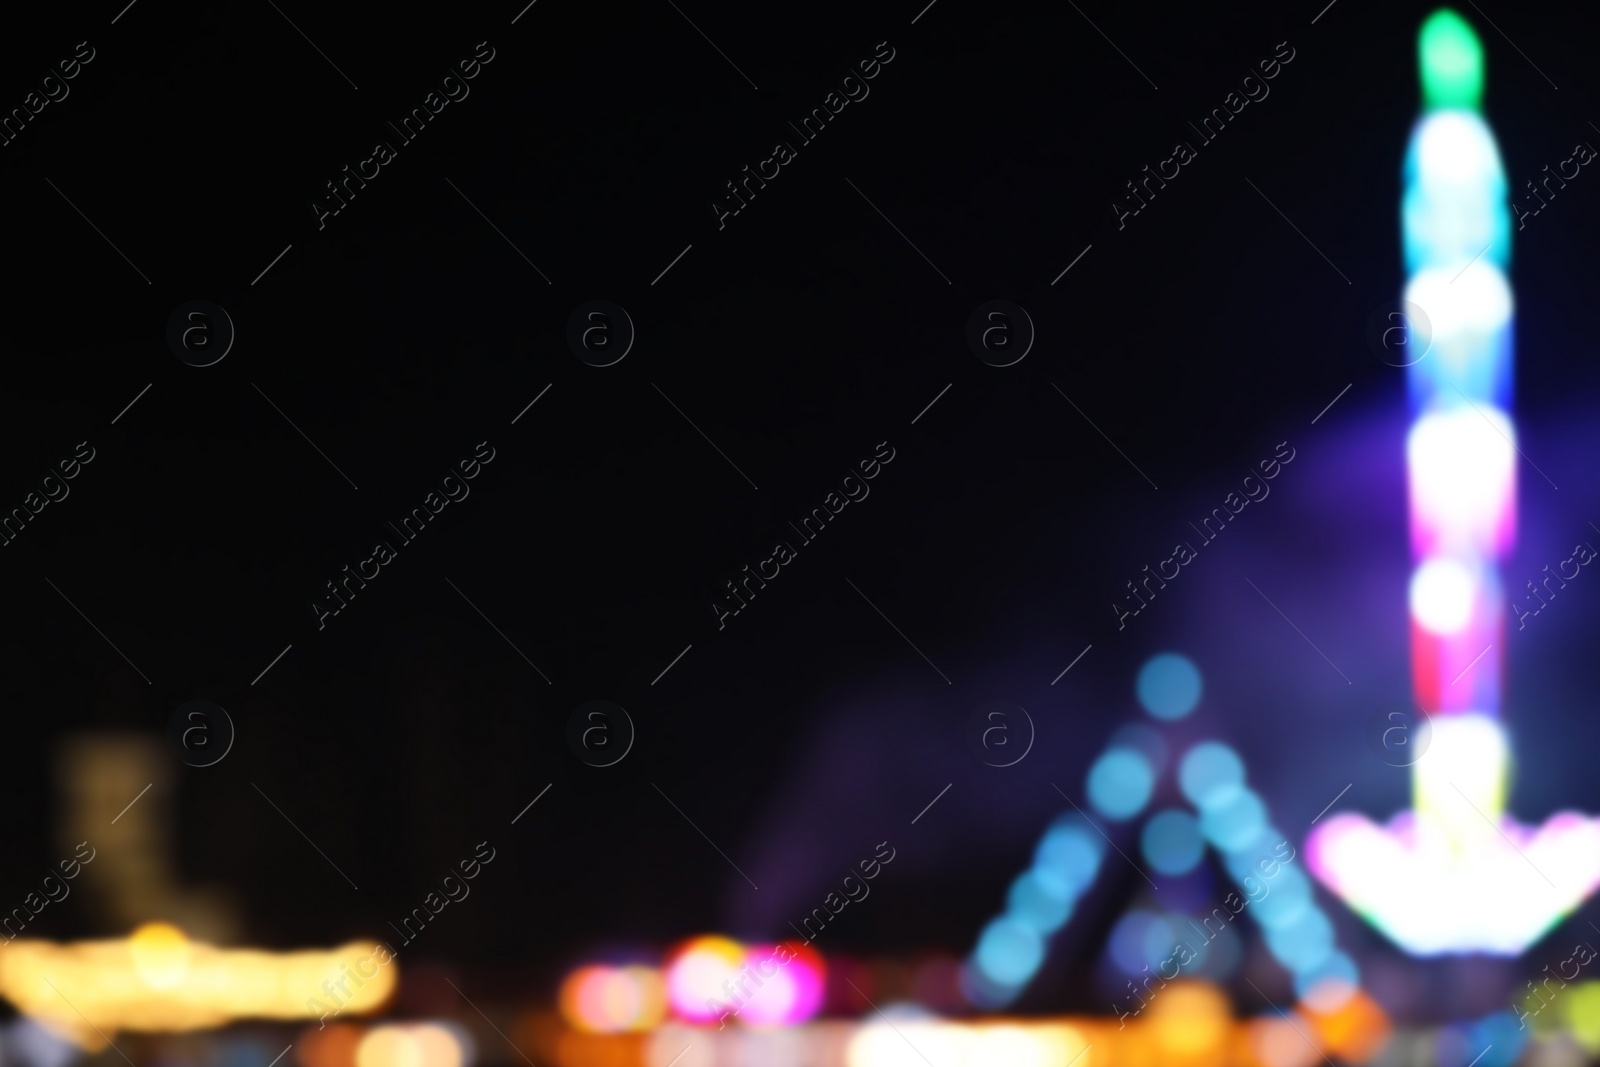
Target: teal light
(1207, 771)
(1168, 686)
(1120, 782)
(1171, 842)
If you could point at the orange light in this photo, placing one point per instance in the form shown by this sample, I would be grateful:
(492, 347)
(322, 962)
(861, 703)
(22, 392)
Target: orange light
(331, 1046)
(1356, 1030)
(601, 1050)
(1190, 1020)
(609, 1000)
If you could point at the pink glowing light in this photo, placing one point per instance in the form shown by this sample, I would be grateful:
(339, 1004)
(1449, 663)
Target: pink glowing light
(790, 992)
(700, 977)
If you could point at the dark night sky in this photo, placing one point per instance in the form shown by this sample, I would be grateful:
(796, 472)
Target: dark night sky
(797, 338)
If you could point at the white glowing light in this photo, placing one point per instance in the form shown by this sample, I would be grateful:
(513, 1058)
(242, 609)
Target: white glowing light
(1456, 151)
(1462, 473)
(909, 1044)
(1454, 207)
(1469, 308)
(1461, 778)
(1462, 303)
(1409, 880)
(1442, 595)
(701, 977)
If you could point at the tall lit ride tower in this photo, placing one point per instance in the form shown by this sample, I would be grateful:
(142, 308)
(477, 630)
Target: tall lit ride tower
(1454, 874)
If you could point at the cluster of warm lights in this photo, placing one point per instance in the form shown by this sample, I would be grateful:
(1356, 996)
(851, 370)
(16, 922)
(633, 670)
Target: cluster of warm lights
(713, 978)
(612, 1000)
(157, 979)
(1190, 1025)
(425, 1044)
(706, 980)
(413, 1045)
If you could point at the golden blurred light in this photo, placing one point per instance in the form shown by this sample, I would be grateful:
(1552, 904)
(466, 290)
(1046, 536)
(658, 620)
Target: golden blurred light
(160, 954)
(1190, 1019)
(388, 1046)
(410, 1045)
(158, 980)
(1065, 1044)
(609, 1000)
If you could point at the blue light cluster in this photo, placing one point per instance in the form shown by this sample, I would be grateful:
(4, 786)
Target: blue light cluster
(1276, 891)
(1011, 948)
(1120, 783)
(1231, 818)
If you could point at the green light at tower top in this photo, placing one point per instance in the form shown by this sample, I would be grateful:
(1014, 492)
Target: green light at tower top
(1451, 60)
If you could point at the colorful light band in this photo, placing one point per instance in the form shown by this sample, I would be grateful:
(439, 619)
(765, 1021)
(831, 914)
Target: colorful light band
(1454, 856)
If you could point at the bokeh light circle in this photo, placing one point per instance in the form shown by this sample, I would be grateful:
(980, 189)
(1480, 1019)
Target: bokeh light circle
(1009, 952)
(792, 979)
(1070, 854)
(1168, 686)
(696, 973)
(1171, 842)
(1038, 903)
(1442, 595)
(610, 1000)
(1128, 937)
(1120, 782)
(1207, 768)
(410, 1045)
(1234, 819)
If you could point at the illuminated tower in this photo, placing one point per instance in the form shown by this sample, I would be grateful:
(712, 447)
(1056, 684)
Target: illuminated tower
(1447, 875)
(1461, 451)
